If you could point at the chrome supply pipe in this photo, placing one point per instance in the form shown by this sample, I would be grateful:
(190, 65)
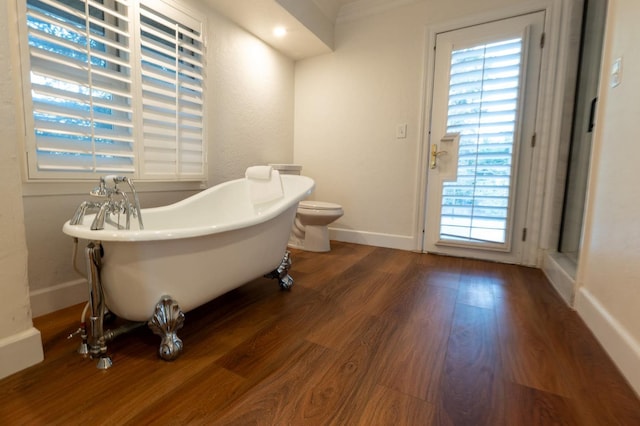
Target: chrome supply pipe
(95, 335)
(83, 349)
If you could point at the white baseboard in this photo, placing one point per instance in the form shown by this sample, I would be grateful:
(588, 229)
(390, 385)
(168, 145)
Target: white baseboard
(560, 273)
(54, 298)
(20, 351)
(400, 242)
(621, 346)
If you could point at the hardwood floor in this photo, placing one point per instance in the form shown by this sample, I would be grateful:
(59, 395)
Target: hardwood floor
(367, 336)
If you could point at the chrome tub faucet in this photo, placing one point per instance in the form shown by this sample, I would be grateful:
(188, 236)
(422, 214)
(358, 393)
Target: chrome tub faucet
(116, 203)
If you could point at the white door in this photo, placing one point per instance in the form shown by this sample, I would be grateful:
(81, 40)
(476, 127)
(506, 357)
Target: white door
(483, 119)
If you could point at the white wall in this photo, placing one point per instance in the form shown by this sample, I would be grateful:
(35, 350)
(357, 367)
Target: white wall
(20, 344)
(249, 121)
(608, 279)
(250, 90)
(348, 105)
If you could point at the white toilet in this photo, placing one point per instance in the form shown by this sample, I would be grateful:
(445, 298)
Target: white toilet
(310, 230)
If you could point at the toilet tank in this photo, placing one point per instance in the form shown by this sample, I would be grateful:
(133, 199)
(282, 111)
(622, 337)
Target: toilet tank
(287, 169)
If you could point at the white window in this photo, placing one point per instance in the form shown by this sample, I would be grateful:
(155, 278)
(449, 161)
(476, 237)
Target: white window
(114, 86)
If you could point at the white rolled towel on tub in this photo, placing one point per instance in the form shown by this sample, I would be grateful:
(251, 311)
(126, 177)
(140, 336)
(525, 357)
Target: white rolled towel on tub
(264, 184)
(258, 172)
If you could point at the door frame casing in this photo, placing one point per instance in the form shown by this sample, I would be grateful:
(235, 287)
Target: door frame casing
(548, 126)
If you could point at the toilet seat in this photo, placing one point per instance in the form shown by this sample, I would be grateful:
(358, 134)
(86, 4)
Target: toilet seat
(318, 205)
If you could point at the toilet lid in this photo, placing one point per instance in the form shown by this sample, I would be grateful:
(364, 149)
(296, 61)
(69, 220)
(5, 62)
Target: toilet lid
(318, 205)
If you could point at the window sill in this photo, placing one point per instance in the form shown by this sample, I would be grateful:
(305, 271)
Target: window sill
(49, 188)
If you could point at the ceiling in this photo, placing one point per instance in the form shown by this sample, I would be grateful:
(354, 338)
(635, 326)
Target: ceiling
(331, 8)
(309, 23)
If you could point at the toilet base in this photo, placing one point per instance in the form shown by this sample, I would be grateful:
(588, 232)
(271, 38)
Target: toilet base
(316, 238)
(295, 242)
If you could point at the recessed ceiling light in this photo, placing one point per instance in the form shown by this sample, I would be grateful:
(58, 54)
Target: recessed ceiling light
(279, 31)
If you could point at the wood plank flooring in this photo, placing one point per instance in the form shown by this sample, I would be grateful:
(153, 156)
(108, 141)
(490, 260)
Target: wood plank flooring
(367, 336)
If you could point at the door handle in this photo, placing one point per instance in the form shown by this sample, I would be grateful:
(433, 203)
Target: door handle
(434, 155)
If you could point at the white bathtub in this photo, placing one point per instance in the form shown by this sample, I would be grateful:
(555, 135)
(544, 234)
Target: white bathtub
(193, 250)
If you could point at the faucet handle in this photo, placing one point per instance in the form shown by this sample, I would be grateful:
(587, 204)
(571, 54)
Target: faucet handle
(75, 333)
(83, 348)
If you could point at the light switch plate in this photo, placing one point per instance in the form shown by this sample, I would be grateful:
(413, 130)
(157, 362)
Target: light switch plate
(401, 131)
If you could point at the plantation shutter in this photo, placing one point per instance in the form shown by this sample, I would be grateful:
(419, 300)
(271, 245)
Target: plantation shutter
(80, 88)
(171, 49)
(483, 100)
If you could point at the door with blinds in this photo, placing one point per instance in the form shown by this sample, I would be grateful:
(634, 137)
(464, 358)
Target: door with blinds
(483, 118)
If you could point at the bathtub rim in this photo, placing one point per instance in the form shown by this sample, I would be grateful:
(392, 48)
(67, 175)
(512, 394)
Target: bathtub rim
(263, 213)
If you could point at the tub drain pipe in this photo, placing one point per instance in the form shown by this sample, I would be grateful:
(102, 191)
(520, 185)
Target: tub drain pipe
(109, 335)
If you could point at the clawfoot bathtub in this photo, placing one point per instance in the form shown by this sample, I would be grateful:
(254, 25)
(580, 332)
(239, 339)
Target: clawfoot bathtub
(187, 254)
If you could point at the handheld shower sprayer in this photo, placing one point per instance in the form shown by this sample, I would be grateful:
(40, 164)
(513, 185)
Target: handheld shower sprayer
(136, 201)
(115, 179)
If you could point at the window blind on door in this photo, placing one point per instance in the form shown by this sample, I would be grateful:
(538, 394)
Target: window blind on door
(483, 101)
(80, 87)
(172, 95)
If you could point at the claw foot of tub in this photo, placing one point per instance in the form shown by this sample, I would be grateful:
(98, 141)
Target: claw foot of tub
(286, 283)
(167, 319)
(282, 272)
